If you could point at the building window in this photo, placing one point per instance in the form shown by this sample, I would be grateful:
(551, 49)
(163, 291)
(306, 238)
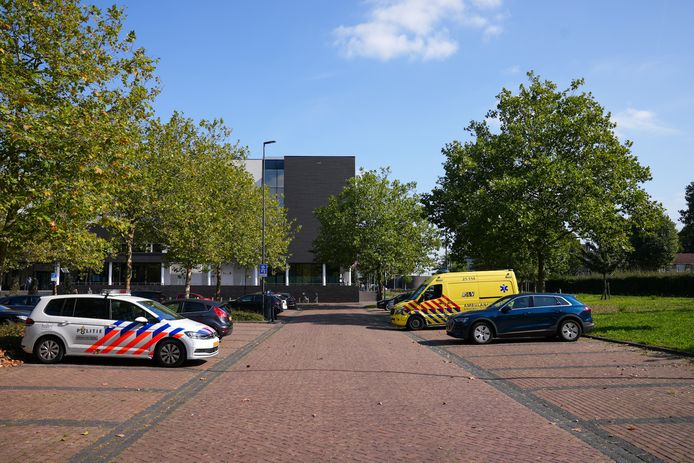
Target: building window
(274, 178)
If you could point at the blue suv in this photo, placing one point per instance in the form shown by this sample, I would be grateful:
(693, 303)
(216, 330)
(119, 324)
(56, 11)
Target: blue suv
(524, 315)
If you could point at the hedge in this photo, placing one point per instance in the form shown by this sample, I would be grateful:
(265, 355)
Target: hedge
(639, 284)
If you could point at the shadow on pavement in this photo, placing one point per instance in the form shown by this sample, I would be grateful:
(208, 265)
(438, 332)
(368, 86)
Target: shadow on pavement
(359, 318)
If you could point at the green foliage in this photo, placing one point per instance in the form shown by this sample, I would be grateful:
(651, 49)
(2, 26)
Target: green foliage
(72, 88)
(553, 173)
(211, 212)
(629, 284)
(378, 225)
(656, 321)
(241, 315)
(655, 247)
(687, 218)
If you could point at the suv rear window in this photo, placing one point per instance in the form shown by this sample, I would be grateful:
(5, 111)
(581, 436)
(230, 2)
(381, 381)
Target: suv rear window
(54, 307)
(88, 307)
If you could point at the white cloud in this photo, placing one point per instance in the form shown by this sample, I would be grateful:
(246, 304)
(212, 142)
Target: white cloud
(413, 28)
(640, 120)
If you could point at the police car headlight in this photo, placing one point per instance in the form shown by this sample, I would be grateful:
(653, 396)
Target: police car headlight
(198, 335)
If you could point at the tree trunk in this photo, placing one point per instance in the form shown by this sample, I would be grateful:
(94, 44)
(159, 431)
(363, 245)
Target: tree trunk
(189, 277)
(129, 240)
(604, 287)
(218, 288)
(540, 272)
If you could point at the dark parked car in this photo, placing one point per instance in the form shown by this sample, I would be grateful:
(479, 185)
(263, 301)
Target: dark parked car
(388, 302)
(524, 315)
(153, 295)
(194, 296)
(20, 302)
(291, 302)
(214, 314)
(8, 314)
(254, 303)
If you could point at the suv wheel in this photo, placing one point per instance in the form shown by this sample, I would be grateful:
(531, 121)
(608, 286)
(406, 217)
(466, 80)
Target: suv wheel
(481, 333)
(49, 349)
(170, 353)
(569, 330)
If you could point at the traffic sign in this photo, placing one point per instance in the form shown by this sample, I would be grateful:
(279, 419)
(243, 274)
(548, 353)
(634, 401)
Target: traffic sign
(262, 270)
(54, 276)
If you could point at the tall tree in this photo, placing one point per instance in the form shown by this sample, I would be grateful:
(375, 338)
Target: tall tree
(687, 218)
(71, 85)
(377, 224)
(555, 170)
(654, 247)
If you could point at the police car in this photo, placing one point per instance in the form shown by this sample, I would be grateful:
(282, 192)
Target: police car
(114, 326)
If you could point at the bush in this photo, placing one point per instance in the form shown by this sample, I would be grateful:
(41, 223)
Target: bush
(240, 315)
(10, 344)
(628, 284)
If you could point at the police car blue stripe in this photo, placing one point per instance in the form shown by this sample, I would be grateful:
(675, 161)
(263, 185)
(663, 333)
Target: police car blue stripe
(109, 329)
(144, 328)
(160, 329)
(176, 331)
(125, 329)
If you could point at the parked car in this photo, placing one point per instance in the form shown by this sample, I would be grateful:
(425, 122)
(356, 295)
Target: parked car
(194, 296)
(254, 303)
(114, 326)
(289, 299)
(10, 315)
(390, 305)
(214, 314)
(147, 294)
(524, 315)
(20, 302)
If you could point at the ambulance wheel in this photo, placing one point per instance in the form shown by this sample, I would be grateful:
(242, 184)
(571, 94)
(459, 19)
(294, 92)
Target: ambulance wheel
(415, 322)
(481, 333)
(49, 349)
(170, 353)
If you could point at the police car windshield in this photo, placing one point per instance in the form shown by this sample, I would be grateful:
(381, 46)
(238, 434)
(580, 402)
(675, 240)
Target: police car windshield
(161, 311)
(499, 302)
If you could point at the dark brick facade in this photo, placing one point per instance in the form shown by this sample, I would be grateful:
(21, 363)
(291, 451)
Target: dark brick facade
(308, 183)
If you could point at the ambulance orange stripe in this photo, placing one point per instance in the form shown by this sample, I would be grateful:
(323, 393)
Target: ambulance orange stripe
(98, 343)
(115, 343)
(149, 343)
(134, 342)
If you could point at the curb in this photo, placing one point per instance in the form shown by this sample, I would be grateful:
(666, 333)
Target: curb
(666, 350)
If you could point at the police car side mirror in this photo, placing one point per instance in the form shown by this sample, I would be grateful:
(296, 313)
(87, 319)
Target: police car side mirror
(141, 320)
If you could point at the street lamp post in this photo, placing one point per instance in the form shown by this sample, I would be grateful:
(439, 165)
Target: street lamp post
(262, 182)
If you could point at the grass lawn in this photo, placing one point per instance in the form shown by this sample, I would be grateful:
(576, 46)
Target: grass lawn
(656, 321)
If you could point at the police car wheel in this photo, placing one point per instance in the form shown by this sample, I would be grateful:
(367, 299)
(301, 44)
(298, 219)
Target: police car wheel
(481, 333)
(415, 322)
(569, 330)
(49, 349)
(170, 353)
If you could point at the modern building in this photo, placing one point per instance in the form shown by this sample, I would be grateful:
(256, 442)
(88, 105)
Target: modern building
(302, 184)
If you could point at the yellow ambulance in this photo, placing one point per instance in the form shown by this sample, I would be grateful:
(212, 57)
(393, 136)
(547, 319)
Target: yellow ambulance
(450, 293)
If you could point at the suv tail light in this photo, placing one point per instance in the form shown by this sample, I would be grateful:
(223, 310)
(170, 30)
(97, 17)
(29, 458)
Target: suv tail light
(220, 313)
(588, 309)
(28, 322)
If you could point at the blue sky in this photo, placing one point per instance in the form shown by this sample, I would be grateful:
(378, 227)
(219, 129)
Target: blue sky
(393, 81)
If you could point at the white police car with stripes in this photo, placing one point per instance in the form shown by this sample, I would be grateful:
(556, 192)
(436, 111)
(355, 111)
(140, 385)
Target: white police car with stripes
(114, 326)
